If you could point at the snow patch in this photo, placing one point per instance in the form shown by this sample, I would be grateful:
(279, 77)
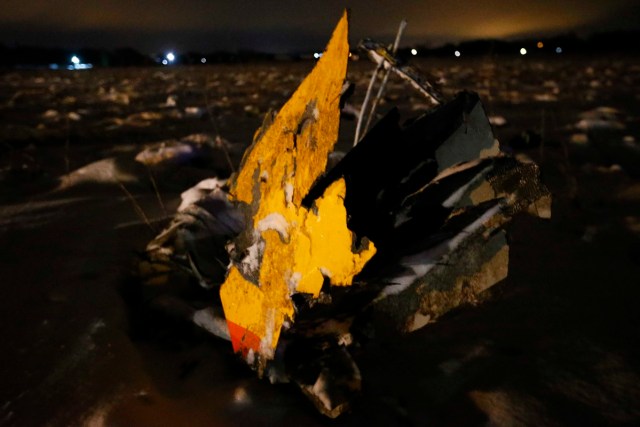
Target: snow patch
(208, 321)
(163, 152)
(293, 281)
(321, 391)
(251, 262)
(240, 396)
(497, 121)
(266, 348)
(103, 171)
(288, 193)
(199, 192)
(274, 221)
(326, 272)
(251, 356)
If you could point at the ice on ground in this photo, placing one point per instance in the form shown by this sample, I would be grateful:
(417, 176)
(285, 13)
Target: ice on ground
(74, 117)
(167, 151)
(194, 112)
(600, 118)
(51, 115)
(199, 192)
(172, 101)
(103, 171)
(545, 97)
(497, 121)
(579, 139)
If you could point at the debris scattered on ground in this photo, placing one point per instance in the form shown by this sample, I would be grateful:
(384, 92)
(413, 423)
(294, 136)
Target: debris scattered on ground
(312, 261)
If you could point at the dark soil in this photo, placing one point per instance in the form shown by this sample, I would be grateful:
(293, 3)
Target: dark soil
(558, 344)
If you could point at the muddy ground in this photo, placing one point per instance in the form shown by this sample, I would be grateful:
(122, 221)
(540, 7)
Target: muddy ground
(557, 344)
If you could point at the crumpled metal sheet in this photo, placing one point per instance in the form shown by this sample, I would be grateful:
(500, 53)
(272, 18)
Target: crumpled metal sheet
(288, 248)
(406, 226)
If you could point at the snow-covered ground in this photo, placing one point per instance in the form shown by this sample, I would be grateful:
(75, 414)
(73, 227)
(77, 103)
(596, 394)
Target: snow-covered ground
(558, 345)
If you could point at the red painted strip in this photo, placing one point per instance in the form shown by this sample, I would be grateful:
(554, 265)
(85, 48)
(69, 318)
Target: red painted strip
(242, 339)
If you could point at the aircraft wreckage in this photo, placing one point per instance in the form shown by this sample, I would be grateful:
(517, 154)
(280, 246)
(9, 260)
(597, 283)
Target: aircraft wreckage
(301, 260)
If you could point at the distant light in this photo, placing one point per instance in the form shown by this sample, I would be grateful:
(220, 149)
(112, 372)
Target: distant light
(457, 53)
(165, 62)
(558, 49)
(414, 52)
(523, 51)
(170, 57)
(317, 55)
(76, 64)
(203, 60)
(540, 45)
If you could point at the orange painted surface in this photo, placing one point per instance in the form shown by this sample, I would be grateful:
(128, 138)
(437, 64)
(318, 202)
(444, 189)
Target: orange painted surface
(300, 247)
(243, 340)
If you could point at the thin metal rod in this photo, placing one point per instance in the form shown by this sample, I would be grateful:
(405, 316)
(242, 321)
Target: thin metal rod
(376, 101)
(363, 108)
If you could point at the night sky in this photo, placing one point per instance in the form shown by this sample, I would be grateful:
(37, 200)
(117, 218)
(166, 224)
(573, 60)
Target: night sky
(293, 25)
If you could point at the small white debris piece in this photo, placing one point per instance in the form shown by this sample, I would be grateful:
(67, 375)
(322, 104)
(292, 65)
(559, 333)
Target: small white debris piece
(251, 109)
(208, 321)
(293, 281)
(629, 141)
(419, 106)
(102, 171)
(274, 221)
(199, 139)
(345, 339)
(320, 391)
(163, 152)
(600, 118)
(251, 262)
(240, 396)
(350, 111)
(288, 193)
(114, 96)
(194, 112)
(326, 272)
(589, 124)
(51, 114)
(171, 101)
(73, 116)
(545, 97)
(579, 139)
(146, 116)
(419, 321)
(497, 121)
(199, 192)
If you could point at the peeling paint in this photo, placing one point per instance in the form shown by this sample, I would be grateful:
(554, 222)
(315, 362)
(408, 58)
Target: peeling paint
(302, 246)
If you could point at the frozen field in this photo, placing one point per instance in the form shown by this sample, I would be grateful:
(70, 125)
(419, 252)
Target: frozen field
(559, 344)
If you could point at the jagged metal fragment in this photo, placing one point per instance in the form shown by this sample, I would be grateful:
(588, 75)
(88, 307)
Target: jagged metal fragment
(433, 194)
(288, 248)
(379, 54)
